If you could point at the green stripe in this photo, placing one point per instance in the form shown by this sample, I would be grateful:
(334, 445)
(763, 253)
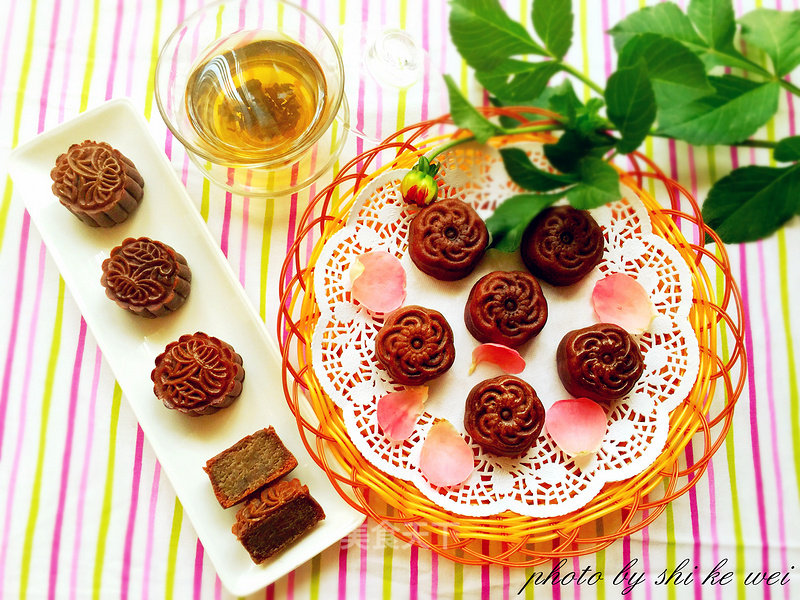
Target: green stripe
(23, 82)
(316, 567)
(88, 72)
(105, 514)
(151, 77)
(204, 200)
(670, 547)
(266, 239)
(600, 562)
(458, 577)
(587, 92)
(172, 555)
(33, 513)
(388, 555)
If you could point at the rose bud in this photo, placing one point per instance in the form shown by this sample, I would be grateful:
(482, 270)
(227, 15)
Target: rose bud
(419, 186)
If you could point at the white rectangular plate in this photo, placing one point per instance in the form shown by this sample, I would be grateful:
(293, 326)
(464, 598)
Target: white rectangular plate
(216, 305)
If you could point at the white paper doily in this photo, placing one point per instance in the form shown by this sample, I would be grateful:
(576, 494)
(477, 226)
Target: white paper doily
(545, 482)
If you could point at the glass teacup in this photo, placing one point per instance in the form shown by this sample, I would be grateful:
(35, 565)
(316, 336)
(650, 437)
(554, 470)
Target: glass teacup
(254, 90)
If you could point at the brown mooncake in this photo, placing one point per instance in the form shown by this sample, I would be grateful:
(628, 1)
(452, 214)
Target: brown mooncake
(415, 345)
(198, 375)
(504, 416)
(562, 245)
(601, 362)
(505, 307)
(251, 463)
(447, 239)
(283, 512)
(146, 277)
(97, 183)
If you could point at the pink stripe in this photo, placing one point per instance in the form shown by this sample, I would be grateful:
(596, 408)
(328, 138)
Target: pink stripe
(151, 526)
(65, 461)
(290, 586)
(434, 572)
(751, 389)
(413, 573)
(226, 217)
(243, 243)
(132, 50)
(695, 520)
(712, 509)
(362, 584)
(12, 339)
(87, 456)
(648, 593)
(361, 87)
(217, 589)
(269, 594)
(112, 66)
(486, 586)
(556, 588)
(342, 589)
(126, 555)
(426, 82)
(23, 406)
(6, 42)
(774, 436)
(576, 588)
(73, 26)
(607, 67)
(198, 570)
(48, 68)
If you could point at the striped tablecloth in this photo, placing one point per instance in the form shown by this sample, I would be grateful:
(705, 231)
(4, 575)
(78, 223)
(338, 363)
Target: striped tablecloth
(85, 510)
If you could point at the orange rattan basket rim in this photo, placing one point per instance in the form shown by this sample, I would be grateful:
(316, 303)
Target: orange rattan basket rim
(509, 538)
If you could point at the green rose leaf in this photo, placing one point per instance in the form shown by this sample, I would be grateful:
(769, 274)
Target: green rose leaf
(788, 149)
(599, 184)
(777, 33)
(665, 18)
(752, 202)
(714, 21)
(677, 75)
(509, 220)
(466, 116)
(631, 104)
(530, 177)
(485, 35)
(513, 81)
(732, 114)
(553, 20)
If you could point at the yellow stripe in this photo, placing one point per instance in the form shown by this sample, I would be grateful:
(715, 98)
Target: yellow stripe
(23, 82)
(33, 512)
(105, 514)
(89, 71)
(266, 239)
(172, 555)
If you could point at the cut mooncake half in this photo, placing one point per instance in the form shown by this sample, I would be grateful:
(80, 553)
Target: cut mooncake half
(248, 465)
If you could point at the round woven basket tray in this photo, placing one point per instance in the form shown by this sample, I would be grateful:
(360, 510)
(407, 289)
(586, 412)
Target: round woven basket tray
(510, 539)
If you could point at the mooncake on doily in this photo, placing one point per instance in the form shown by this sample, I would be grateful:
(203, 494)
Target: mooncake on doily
(415, 345)
(601, 362)
(447, 239)
(505, 307)
(198, 374)
(146, 277)
(504, 416)
(562, 245)
(97, 183)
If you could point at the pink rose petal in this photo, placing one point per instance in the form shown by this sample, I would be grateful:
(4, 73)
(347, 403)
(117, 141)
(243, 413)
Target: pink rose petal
(398, 412)
(621, 300)
(504, 357)
(577, 425)
(446, 458)
(379, 281)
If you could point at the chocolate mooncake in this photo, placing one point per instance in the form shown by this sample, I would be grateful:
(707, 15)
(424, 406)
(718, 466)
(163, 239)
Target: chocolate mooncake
(198, 375)
(415, 345)
(146, 277)
(97, 183)
(280, 514)
(562, 245)
(601, 362)
(248, 465)
(447, 239)
(505, 307)
(504, 416)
